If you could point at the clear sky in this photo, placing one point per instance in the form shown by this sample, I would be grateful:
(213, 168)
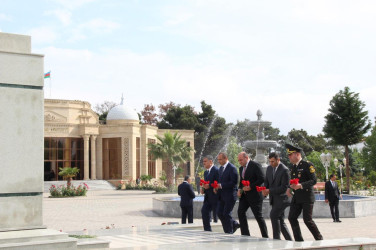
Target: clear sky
(286, 58)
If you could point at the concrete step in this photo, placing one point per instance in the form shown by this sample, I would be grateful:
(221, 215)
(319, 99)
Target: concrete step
(36, 239)
(93, 184)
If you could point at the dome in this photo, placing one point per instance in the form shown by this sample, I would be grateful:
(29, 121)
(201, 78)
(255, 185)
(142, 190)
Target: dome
(122, 112)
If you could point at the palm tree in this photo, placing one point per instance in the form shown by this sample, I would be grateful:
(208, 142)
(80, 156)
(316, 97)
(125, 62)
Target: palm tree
(171, 148)
(68, 174)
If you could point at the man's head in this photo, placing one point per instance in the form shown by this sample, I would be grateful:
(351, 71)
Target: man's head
(187, 178)
(222, 158)
(333, 177)
(243, 158)
(294, 153)
(207, 161)
(274, 159)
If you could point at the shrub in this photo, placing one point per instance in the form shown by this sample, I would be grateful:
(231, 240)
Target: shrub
(68, 191)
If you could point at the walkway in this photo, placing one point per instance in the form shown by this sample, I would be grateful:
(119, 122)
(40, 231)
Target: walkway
(131, 211)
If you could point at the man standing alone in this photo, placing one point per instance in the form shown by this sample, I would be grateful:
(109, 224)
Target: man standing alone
(211, 174)
(228, 179)
(249, 197)
(332, 196)
(303, 196)
(277, 182)
(185, 190)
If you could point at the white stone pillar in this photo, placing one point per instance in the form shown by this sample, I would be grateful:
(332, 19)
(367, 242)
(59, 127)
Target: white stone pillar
(86, 157)
(93, 138)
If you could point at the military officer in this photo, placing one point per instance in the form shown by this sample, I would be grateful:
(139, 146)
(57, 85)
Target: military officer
(302, 193)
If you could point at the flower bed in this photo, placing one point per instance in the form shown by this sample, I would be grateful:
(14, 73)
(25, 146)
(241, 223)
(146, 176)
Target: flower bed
(68, 191)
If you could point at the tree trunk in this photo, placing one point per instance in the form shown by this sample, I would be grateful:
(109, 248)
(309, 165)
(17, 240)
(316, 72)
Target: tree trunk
(347, 168)
(169, 173)
(69, 181)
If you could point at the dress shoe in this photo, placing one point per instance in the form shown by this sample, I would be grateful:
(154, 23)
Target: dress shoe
(334, 221)
(338, 221)
(236, 227)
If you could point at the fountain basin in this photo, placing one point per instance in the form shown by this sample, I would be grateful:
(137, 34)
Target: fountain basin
(350, 207)
(260, 144)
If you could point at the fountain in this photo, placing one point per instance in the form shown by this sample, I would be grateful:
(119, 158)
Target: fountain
(260, 145)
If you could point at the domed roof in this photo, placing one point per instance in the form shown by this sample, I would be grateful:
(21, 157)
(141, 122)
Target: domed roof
(122, 112)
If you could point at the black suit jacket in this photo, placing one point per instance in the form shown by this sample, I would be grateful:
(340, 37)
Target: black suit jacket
(212, 176)
(187, 194)
(256, 177)
(331, 193)
(229, 181)
(278, 185)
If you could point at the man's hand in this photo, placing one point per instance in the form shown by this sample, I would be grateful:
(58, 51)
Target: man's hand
(201, 191)
(246, 188)
(239, 193)
(297, 186)
(219, 186)
(206, 186)
(265, 192)
(326, 201)
(288, 192)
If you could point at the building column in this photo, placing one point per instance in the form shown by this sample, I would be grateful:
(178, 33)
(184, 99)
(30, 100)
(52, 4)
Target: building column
(86, 157)
(93, 138)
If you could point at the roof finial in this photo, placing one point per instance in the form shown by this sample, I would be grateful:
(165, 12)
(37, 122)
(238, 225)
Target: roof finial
(122, 99)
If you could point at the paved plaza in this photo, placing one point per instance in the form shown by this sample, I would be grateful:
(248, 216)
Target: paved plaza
(125, 211)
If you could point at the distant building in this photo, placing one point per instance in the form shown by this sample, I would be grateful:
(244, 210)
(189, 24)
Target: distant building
(73, 137)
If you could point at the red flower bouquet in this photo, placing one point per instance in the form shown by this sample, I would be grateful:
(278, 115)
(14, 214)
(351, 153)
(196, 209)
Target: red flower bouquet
(259, 189)
(294, 181)
(245, 183)
(203, 182)
(214, 184)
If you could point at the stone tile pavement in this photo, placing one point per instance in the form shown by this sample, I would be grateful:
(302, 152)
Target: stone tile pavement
(128, 209)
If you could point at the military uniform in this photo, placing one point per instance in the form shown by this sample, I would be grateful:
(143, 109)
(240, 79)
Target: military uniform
(304, 198)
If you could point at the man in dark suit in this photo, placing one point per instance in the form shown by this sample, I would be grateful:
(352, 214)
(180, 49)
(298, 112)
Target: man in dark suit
(249, 197)
(303, 197)
(228, 179)
(211, 174)
(185, 190)
(277, 181)
(332, 196)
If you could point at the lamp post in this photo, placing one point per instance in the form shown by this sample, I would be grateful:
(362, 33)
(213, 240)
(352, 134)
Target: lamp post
(340, 170)
(325, 160)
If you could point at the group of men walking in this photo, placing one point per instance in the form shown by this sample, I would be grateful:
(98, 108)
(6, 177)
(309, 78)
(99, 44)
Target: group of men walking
(253, 186)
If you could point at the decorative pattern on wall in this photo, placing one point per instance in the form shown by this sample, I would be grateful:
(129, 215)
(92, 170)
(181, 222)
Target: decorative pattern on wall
(125, 156)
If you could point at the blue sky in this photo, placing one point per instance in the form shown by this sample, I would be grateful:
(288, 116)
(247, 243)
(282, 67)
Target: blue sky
(287, 58)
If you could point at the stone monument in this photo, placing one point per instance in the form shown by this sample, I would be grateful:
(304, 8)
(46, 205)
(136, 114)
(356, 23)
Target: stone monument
(21, 148)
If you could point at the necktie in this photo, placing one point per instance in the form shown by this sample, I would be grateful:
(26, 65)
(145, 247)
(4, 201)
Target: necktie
(274, 169)
(244, 169)
(220, 171)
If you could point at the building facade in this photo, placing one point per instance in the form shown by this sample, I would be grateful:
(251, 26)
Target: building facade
(74, 137)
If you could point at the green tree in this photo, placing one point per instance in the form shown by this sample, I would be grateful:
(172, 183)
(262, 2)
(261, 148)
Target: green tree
(308, 143)
(369, 152)
(233, 150)
(347, 122)
(173, 149)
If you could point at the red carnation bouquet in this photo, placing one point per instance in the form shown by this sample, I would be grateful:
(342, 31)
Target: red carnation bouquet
(294, 181)
(203, 182)
(214, 184)
(259, 189)
(245, 183)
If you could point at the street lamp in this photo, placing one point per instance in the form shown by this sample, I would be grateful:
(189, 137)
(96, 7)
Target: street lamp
(340, 169)
(325, 160)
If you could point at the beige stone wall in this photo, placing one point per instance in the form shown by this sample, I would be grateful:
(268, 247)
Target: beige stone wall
(67, 118)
